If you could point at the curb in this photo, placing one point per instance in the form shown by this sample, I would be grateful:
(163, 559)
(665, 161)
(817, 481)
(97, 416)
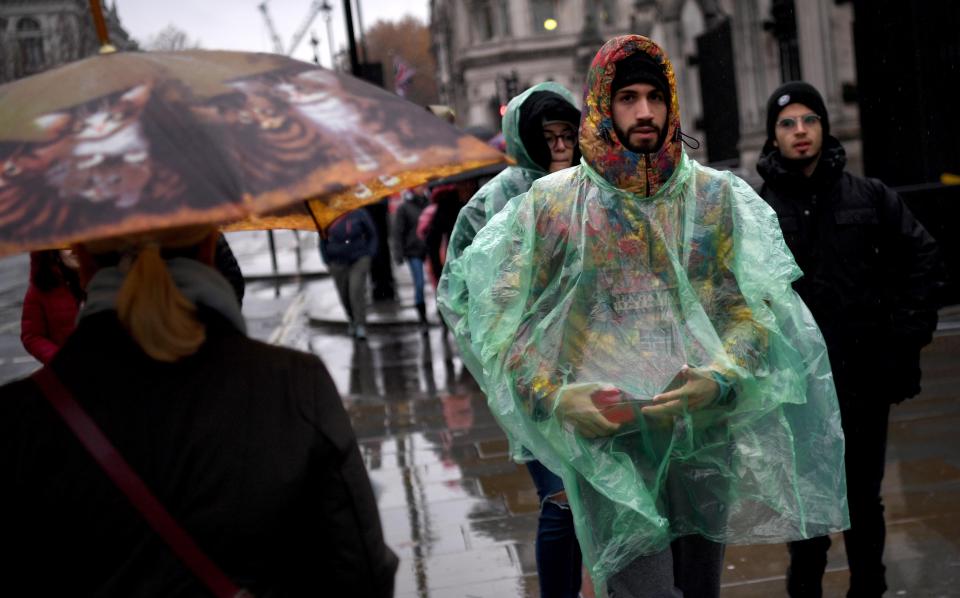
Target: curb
(292, 277)
(325, 323)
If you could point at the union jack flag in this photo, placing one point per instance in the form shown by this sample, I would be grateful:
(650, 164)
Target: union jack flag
(402, 76)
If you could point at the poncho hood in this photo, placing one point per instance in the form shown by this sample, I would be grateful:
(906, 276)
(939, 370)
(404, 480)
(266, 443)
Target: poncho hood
(511, 124)
(640, 174)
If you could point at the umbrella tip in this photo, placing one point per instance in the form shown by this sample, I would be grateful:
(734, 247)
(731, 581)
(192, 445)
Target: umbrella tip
(107, 49)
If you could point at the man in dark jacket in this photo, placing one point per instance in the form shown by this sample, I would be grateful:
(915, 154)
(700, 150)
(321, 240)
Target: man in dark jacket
(871, 275)
(347, 247)
(410, 246)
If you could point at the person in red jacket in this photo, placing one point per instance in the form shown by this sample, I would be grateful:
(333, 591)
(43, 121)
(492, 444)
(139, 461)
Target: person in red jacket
(51, 303)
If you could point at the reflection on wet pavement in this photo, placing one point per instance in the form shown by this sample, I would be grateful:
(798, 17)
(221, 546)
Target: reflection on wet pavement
(463, 518)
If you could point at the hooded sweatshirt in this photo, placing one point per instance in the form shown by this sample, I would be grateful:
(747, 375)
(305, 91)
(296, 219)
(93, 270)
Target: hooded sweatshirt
(620, 271)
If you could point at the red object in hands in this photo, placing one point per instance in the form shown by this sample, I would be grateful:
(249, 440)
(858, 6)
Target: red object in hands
(612, 406)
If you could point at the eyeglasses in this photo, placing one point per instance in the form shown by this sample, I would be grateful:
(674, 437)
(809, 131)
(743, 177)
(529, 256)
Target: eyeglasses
(790, 123)
(551, 139)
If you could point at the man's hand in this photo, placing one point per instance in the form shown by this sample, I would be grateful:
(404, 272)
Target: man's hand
(575, 406)
(698, 390)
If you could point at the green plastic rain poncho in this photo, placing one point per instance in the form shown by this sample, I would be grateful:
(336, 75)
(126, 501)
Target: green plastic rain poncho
(491, 198)
(619, 272)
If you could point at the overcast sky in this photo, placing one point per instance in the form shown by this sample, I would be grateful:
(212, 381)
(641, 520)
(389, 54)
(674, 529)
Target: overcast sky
(239, 24)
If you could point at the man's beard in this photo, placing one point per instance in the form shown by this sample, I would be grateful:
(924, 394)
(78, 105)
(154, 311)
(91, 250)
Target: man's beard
(648, 147)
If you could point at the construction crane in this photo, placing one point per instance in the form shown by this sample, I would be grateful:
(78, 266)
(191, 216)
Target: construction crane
(315, 9)
(277, 44)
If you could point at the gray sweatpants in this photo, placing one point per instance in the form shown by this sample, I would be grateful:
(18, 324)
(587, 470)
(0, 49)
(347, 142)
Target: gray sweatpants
(351, 281)
(690, 568)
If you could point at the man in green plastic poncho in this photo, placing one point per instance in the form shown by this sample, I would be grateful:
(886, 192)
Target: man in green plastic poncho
(540, 128)
(633, 324)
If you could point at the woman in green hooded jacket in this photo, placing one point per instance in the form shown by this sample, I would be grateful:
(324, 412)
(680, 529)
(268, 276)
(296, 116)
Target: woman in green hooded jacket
(540, 129)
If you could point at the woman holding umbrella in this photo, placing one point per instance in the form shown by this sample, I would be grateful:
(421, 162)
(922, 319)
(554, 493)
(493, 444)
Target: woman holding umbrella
(247, 445)
(211, 459)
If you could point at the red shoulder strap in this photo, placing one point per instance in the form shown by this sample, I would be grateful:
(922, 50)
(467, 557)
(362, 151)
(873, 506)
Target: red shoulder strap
(120, 473)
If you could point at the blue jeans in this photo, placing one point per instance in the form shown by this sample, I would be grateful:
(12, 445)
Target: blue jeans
(558, 552)
(416, 271)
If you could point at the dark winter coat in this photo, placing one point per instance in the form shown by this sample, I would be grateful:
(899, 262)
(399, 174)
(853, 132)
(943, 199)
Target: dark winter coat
(349, 238)
(405, 227)
(247, 445)
(871, 271)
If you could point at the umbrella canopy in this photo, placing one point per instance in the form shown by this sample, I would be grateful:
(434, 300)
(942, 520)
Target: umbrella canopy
(127, 142)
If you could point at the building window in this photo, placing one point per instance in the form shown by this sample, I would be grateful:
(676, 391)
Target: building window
(504, 15)
(490, 19)
(544, 16)
(30, 41)
(482, 13)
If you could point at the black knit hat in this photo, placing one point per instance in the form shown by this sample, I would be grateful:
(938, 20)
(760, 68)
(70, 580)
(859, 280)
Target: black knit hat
(640, 67)
(796, 92)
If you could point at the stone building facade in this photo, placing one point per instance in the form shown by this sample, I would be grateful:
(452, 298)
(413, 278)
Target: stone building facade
(36, 35)
(488, 50)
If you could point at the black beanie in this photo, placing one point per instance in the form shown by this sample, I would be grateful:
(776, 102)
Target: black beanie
(796, 92)
(640, 67)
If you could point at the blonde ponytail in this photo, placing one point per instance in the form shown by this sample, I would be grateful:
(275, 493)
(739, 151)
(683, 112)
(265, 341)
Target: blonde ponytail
(161, 320)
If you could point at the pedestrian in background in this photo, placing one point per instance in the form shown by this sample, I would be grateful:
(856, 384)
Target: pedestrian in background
(411, 247)
(246, 445)
(347, 247)
(540, 128)
(871, 278)
(438, 225)
(51, 303)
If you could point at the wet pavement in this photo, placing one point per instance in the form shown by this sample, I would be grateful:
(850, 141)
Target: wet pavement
(463, 517)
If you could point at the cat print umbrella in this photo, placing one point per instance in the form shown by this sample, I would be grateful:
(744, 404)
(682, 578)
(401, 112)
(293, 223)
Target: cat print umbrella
(126, 142)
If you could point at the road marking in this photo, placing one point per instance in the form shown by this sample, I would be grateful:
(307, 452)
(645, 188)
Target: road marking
(290, 319)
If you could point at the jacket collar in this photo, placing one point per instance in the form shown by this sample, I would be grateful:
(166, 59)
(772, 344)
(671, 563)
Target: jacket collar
(777, 172)
(640, 174)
